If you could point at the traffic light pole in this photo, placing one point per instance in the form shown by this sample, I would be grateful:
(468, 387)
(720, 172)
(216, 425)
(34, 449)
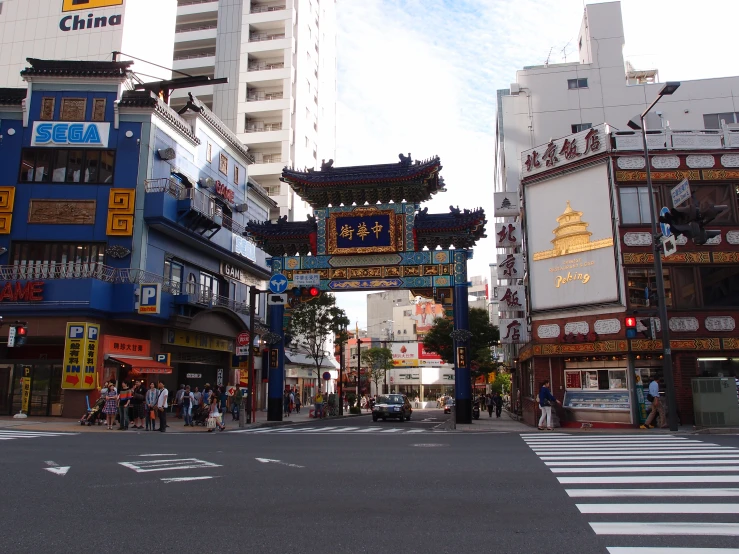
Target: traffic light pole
(659, 278)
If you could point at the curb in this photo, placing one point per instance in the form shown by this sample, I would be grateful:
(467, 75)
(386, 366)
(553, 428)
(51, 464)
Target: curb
(288, 422)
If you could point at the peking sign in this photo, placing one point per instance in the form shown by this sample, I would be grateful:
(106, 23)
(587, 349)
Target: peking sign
(565, 150)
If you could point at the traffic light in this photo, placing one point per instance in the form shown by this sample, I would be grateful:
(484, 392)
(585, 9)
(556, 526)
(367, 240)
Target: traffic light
(647, 322)
(305, 294)
(17, 334)
(692, 220)
(630, 324)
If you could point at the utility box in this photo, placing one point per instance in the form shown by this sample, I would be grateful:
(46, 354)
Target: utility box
(715, 401)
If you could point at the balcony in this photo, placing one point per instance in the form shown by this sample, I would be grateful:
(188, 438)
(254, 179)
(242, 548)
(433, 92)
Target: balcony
(198, 295)
(201, 35)
(260, 37)
(262, 8)
(261, 127)
(265, 66)
(669, 139)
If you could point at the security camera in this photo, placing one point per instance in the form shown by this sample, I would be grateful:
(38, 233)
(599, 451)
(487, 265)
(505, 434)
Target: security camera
(659, 114)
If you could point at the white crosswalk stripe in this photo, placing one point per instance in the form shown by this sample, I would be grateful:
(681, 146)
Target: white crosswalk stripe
(682, 483)
(333, 430)
(9, 435)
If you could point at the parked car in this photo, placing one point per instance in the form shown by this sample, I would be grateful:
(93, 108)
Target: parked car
(393, 406)
(449, 405)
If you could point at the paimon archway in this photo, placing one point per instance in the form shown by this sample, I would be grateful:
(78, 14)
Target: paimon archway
(368, 232)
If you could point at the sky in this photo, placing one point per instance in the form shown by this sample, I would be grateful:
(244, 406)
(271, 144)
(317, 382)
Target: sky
(419, 77)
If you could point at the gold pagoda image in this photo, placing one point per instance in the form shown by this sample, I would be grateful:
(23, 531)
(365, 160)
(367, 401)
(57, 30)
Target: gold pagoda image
(571, 236)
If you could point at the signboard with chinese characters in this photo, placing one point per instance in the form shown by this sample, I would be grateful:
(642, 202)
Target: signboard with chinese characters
(565, 150)
(512, 298)
(507, 234)
(75, 356)
(197, 340)
(125, 346)
(569, 225)
(362, 231)
(510, 266)
(512, 331)
(506, 204)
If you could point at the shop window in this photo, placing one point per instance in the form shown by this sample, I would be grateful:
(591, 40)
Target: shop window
(579, 127)
(718, 367)
(720, 286)
(59, 165)
(634, 203)
(713, 120)
(639, 279)
(595, 379)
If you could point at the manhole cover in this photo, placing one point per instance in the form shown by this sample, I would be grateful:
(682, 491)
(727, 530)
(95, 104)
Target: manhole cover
(429, 445)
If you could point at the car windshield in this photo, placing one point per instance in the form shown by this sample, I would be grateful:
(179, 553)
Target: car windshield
(390, 399)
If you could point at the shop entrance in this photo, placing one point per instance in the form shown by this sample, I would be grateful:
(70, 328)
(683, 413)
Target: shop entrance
(43, 392)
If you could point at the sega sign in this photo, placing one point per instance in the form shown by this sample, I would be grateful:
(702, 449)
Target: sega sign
(150, 298)
(61, 133)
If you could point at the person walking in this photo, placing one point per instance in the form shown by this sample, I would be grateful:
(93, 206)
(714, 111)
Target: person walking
(498, 401)
(139, 409)
(286, 403)
(490, 404)
(657, 407)
(546, 398)
(319, 405)
(297, 403)
(198, 396)
(124, 400)
(162, 406)
(111, 404)
(223, 405)
(151, 406)
(187, 401)
(178, 402)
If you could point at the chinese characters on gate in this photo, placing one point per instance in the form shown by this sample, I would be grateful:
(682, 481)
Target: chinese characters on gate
(347, 231)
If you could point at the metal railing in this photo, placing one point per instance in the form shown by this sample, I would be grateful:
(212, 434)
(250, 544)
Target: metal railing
(260, 158)
(265, 66)
(201, 294)
(261, 96)
(261, 127)
(191, 2)
(208, 54)
(198, 28)
(262, 9)
(262, 37)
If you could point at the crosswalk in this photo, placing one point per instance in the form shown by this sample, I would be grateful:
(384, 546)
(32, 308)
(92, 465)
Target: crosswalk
(9, 434)
(651, 493)
(338, 430)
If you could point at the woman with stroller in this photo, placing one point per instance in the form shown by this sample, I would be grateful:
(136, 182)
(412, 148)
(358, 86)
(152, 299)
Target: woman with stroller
(111, 404)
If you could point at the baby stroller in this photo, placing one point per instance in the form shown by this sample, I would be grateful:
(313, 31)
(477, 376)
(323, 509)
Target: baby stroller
(200, 415)
(94, 414)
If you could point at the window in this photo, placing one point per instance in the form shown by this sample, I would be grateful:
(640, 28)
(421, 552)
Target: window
(209, 284)
(223, 164)
(637, 281)
(720, 286)
(407, 313)
(577, 83)
(60, 165)
(686, 287)
(577, 127)
(634, 203)
(707, 195)
(174, 272)
(236, 174)
(52, 256)
(713, 120)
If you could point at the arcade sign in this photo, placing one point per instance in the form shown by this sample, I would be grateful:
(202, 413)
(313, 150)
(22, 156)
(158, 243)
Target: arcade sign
(225, 192)
(62, 133)
(15, 291)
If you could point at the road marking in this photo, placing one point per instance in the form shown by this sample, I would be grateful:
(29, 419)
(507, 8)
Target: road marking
(607, 465)
(641, 469)
(589, 453)
(665, 528)
(278, 462)
(152, 455)
(611, 444)
(669, 550)
(146, 466)
(181, 479)
(416, 431)
(658, 508)
(607, 438)
(58, 470)
(391, 430)
(343, 429)
(369, 429)
(51, 463)
(648, 479)
(651, 493)
(641, 457)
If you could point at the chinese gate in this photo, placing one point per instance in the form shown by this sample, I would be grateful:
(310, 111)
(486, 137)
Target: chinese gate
(368, 232)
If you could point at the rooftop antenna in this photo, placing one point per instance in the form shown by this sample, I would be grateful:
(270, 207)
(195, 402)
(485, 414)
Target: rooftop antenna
(549, 55)
(564, 50)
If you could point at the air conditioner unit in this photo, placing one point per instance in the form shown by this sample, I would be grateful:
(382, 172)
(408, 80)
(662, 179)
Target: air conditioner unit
(241, 208)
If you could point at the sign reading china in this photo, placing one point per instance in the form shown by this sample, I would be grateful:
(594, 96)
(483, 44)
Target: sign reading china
(223, 190)
(565, 150)
(15, 291)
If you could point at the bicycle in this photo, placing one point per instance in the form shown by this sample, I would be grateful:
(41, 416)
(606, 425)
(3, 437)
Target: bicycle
(329, 410)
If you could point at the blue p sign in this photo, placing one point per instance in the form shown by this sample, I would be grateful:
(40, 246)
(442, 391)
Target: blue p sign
(76, 331)
(149, 298)
(92, 332)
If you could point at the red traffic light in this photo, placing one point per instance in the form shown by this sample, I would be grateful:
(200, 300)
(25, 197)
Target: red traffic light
(314, 291)
(630, 322)
(21, 331)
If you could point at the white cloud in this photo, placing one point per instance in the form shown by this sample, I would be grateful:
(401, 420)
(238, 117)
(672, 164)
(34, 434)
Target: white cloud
(421, 76)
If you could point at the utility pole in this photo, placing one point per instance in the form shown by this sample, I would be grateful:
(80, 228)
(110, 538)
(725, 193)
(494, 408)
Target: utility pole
(251, 403)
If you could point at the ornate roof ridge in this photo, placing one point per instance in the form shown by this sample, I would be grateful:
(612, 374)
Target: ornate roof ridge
(147, 99)
(12, 96)
(77, 68)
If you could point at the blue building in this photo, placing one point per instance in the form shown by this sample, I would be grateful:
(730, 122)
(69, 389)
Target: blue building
(121, 238)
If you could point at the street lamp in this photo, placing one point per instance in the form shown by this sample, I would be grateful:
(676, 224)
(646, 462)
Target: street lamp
(667, 90)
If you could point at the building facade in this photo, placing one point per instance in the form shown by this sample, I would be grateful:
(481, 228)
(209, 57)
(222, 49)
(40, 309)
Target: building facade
(588, 245)
(122, 237)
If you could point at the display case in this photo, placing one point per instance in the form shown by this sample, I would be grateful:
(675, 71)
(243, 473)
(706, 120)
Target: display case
(597, 391)
(589, 400)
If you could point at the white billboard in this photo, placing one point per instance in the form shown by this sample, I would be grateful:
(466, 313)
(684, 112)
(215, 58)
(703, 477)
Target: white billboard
(569, 230)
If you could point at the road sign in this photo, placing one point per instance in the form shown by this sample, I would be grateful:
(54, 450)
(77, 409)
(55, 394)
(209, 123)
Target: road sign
(219, 377)
(665, 227)
(11, 336)
(243, 339)
(680, 193)
(669, 246)
(277, 299)
(242, 350)
(278, 283)
(326, 376)
(306, 279)
(230, 391)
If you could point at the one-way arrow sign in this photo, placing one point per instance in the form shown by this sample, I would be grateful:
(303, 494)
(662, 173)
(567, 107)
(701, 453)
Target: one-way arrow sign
(278, 462)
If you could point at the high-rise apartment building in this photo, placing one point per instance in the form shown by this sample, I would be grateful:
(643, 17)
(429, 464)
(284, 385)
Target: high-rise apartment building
(279, 57)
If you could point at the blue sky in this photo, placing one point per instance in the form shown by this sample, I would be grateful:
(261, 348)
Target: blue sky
(420, 76)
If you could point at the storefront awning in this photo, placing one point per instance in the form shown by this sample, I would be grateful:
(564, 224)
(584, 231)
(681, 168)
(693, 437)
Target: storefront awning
(143, 365)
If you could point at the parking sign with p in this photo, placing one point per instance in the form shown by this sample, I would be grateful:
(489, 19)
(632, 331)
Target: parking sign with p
(150, 297)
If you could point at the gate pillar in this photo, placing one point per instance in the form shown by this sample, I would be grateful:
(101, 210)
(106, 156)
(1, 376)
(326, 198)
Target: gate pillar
(276, 386)
(462, 383)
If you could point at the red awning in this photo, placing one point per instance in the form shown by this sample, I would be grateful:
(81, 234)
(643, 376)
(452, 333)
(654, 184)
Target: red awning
(143, 365)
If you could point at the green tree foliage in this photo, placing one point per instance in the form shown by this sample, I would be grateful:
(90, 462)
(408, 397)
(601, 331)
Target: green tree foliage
(379, 361)
(312, 322)
(484, 335)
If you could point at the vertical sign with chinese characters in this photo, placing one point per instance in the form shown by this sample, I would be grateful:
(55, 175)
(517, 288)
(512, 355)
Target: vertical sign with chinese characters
(512, 298)
(74, 355)
(510, 266)
(513, 331)
(506, 204)
(461, 356)
(92, 334)
(26, 389)
(507, 234)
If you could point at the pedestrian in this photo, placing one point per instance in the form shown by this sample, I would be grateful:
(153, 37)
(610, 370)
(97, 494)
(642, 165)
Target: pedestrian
(286, 403)
(657, 407)
(162, 406)
(198, 397)
(124, 401)
(297, 403)
(223, 401)
(545, 402)
(111, 404)
(490, 403)
(187, 402)
(214, 414)
(498, 401)
(319, 405)
(178, 401)
(206, 395)
(292, 401)
(151, 407)
(416, 399)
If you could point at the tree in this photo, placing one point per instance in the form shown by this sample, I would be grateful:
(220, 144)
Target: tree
(312, 322)
(484, 335)
(379, 362)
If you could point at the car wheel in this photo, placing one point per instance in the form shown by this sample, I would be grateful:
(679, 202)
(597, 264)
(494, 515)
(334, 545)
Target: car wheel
(402, 418)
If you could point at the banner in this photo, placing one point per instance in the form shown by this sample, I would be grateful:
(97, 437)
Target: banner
(80, 355)
(26, 384)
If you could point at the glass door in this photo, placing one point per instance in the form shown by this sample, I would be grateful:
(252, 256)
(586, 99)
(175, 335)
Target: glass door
(6, 372)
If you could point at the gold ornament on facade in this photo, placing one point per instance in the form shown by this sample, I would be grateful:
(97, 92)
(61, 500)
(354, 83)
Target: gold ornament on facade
(572, 237)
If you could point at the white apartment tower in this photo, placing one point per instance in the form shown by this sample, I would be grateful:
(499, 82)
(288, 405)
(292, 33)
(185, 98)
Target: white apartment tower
(280, 59)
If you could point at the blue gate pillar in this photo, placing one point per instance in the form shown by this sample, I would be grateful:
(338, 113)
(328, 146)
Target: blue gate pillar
(276, 361)
(462, 383)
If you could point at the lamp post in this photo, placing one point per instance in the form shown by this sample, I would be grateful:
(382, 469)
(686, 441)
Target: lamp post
(668, 89)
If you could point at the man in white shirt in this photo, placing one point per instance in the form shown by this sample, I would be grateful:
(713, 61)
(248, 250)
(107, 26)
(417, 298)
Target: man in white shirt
(162, 407)
(657, 407)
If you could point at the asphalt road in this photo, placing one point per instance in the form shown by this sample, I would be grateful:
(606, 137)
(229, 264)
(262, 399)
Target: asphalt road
(356, 487)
